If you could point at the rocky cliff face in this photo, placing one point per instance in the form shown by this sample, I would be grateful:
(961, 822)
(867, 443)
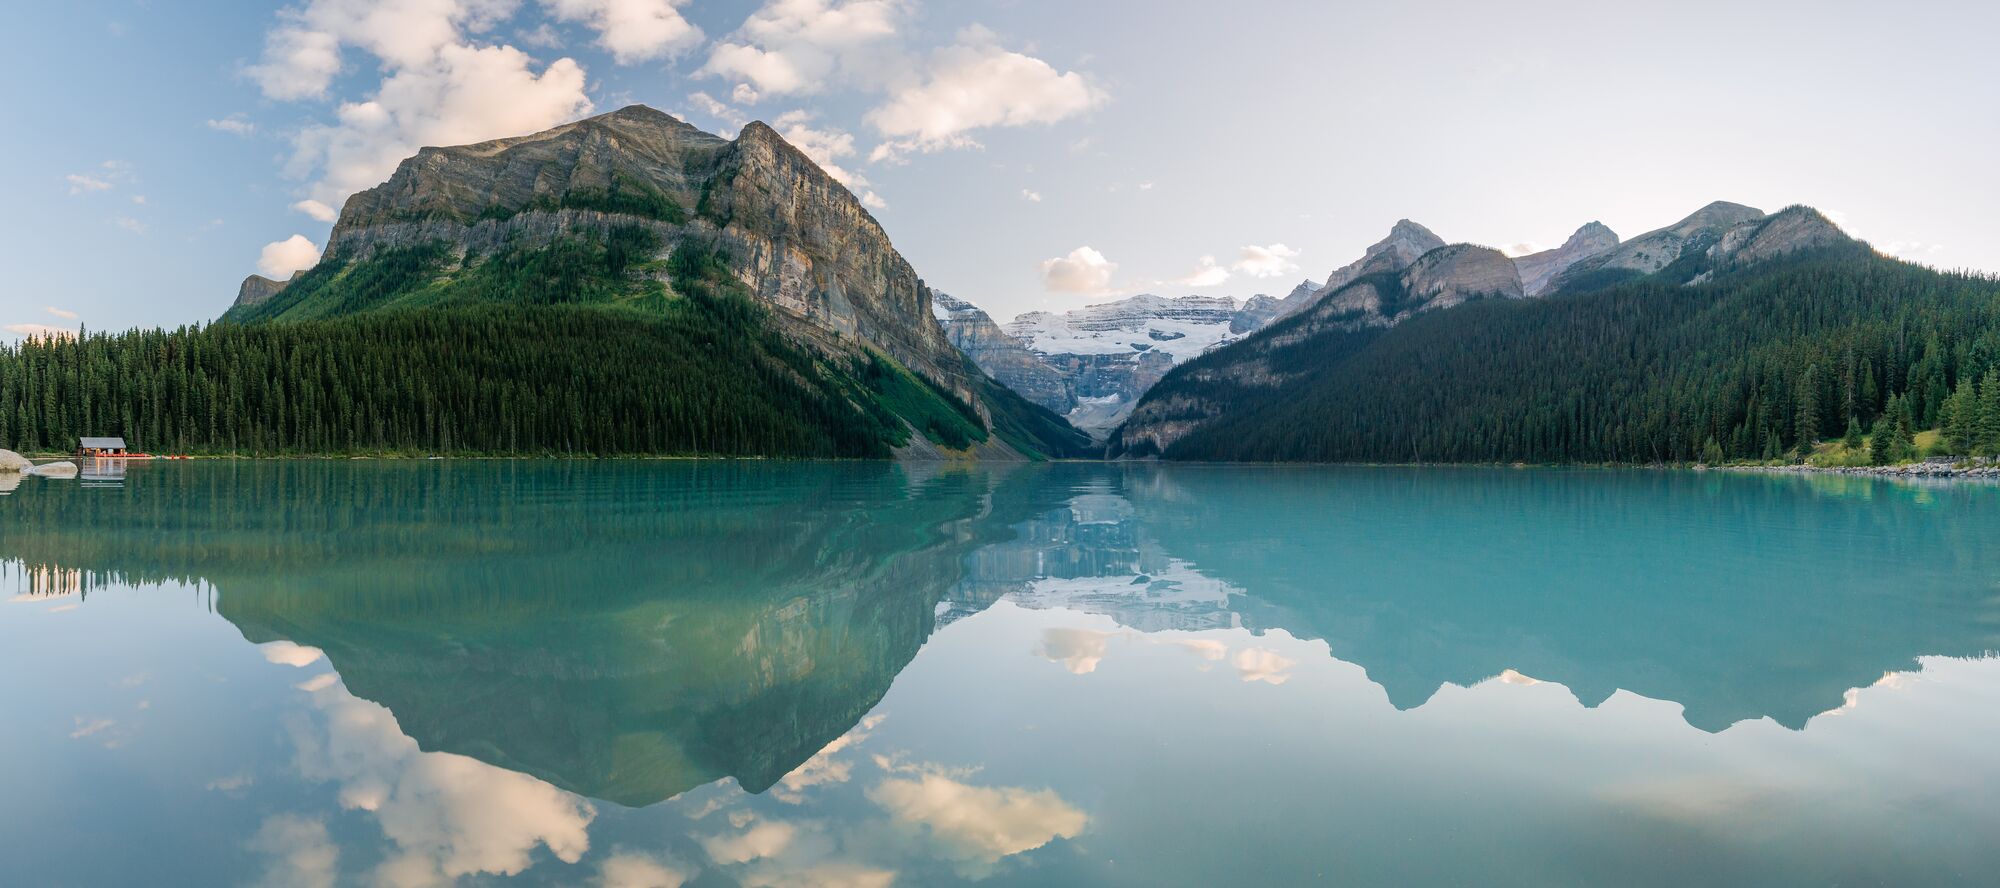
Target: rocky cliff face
(1297, 299)
(1790, 230)
(258, 289)
(1406, 241)
(1003, 357)
(1456, 274)
(796, 238)
(1650, 252)
(1538, 270)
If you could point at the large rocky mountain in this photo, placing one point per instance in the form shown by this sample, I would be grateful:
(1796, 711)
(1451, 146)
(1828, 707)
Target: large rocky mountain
(1388, 287)
(754, 210)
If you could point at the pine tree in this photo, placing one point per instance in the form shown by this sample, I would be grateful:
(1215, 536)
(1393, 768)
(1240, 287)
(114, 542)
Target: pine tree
(1808, 419)
(1881, 442)
(1985, 420)
(1958, 417)
(1852, 440)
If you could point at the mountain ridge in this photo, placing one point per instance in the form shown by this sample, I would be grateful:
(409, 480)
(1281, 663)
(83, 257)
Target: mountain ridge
(1756, 335)
(637, 211)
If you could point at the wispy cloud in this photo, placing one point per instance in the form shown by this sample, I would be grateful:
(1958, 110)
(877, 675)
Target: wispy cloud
(80, 183)
(234, 124)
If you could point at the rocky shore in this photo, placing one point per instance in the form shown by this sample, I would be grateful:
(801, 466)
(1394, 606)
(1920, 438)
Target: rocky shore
(1939, 467)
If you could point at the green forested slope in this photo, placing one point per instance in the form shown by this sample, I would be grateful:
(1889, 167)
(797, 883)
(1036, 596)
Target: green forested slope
(1745, 365)
(576, 348)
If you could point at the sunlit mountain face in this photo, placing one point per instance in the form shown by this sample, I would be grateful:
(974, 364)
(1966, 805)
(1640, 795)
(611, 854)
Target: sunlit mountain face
(863, 674)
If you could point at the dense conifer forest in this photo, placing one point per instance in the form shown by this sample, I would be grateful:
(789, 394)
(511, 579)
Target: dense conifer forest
(576, 348)
(1764, 363)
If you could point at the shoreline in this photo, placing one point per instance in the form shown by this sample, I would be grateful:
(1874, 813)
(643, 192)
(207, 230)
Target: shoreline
(1941, 468)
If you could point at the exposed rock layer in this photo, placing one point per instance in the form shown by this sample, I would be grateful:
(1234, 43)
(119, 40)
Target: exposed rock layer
(1538, 270)
(1717, 238)
(797, 239)
(1406, 241)
(258, 289)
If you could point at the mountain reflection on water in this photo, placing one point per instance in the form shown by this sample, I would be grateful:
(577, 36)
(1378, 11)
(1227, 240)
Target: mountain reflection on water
(636, 632)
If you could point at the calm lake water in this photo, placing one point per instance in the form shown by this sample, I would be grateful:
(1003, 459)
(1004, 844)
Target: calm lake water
(627, 673)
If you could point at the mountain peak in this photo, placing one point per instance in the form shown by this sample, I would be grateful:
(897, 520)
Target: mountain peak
(1793, 228)
(1591, 232)
(1409, 230)
(1406, 242)
(1717, 215)
(1539, 270)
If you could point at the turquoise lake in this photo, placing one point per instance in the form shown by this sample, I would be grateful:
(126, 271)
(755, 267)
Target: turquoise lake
(753, 673)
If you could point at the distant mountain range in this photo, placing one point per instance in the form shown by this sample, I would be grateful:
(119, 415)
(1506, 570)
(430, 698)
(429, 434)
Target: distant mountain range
(1094, 364)
(1731, 334)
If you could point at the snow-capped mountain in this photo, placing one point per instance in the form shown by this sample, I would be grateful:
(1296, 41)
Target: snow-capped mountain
(1093, 363)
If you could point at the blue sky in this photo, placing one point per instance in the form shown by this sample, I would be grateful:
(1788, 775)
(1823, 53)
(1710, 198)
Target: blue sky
(1024, 154)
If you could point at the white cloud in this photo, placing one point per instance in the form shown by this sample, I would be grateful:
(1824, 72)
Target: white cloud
(825, 767)
(1903, 249)
(298, 63)
(632, 30)
(1262, 664)
(129, 224)
(80, 183)
(287, 653)
(730, 119)
(465, 94)
(87, 727)
(1266, 262)
(976, 85)
(744, 94)
(300, 851)
(825, 146)
(40, 331)
(635, 870)
(1031, 195)
(278, 261)
(317, 210)
(439, 87)
(1205, 648)
(979, 823)
(63, 313)
(1083, 272)
(234, 124)
(1206, 274)
(542, 37)
(108, 175)
(1521, 248)
(302, 55)
(790, 47)
(824, 874)
(1078, 650)
(767, 838)
(449, 816)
